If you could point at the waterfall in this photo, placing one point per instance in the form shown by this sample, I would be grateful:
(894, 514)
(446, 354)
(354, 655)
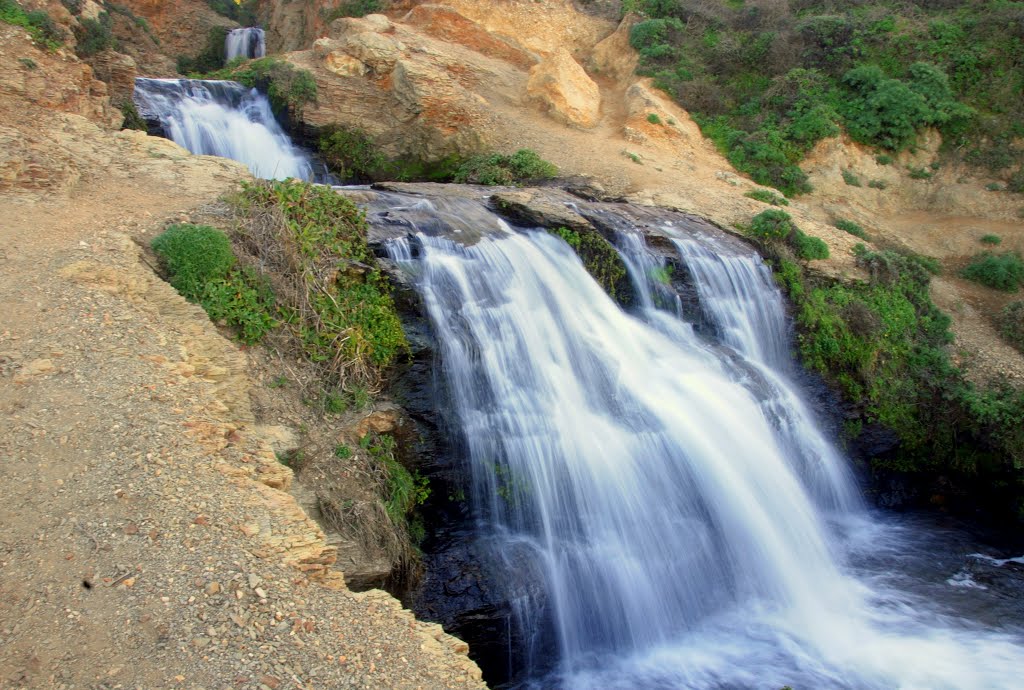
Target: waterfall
(222, 118)
(688, 525)
(248, 43)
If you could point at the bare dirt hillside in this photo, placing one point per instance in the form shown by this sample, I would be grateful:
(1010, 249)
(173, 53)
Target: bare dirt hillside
(457, 76)
(147, 539)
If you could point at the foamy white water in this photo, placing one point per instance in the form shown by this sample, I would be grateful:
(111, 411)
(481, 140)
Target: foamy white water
(249, 43)
(222, 118)
(690, 526)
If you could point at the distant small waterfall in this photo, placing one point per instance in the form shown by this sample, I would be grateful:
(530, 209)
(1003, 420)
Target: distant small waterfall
(248, 43)
(222, 118)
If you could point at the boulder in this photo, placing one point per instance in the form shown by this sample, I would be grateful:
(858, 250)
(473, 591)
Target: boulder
(565, 90)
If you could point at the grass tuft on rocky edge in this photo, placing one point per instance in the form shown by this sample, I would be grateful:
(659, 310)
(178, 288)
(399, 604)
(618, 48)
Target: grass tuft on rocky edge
(38, 23)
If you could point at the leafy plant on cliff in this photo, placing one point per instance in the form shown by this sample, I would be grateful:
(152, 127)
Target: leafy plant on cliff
(312, 243)
(403, 490)
(210, 58)
(355, 8)
(202, 267)
(884, 344)
(242, 11)
(600, 259)
(1003, 271)
(1011, 324)
(39, 24)
(289, 88)
(499, 169)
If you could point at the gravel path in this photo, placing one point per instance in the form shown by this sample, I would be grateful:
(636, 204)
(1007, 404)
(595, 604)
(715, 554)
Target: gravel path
(145, 541)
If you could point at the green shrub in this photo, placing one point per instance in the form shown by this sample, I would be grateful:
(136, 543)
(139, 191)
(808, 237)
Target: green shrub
(132, 119)
(599, 258)
(998, 271)
(850, 178)
(497, 169)
(919, 173)
(771, 225)
(341, 312)
(1016, 182)
(201, 266)
(194, 255)
(884, 159)
(852, 228)
(1011, 324)
(242, 11)
(352, 155)
(39, 24)
(210, 58)
(403, 490)
(94, 36)
(878, 184)
(768, 197)
(991, 239)
(653, 118)
(288, 88)
(808, 248)
(355, 8)
(994, 187)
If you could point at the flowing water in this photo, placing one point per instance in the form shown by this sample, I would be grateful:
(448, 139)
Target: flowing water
(222, 118)
(248, 43)
(684, 519)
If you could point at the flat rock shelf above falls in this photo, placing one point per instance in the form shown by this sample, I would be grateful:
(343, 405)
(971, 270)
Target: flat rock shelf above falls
(221, 118)
(646, 499)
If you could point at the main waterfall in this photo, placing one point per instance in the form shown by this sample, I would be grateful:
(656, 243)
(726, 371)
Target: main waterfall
(222, 118)
(688, 525)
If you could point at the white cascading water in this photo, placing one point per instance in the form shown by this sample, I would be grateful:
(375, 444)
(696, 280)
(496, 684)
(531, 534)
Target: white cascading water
(222, 118)
(650, 481)
(249, 43)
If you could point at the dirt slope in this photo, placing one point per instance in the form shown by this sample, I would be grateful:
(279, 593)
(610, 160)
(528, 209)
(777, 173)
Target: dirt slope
(146, 539)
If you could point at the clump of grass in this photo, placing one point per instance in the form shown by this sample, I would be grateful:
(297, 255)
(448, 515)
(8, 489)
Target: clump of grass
(919, 173)
(38, 23)
(1003, 271)
(878, 184)
(403, 490)
(994, 187)
(498, 169)
(337, 303)
(852, 228)
(775, 226)
(654, 118)
(599, 258)
(1011, 324)
(993, 240)
(884, 159)
(767, 196)
(850, 178)
(202, 267)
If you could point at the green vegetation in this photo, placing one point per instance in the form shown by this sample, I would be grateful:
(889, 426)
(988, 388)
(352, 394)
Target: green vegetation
(353, 156)
(765, 84)
(203, 268)
(878, 184)
(991, 239)
(919, 173)
(1003, 271)
(499, 169)
(355, 8)
(210, 58)
(289, 89)
(768, 197)
(883, 343)
(851, 227)
(334, 299)
(851, 179)
(39, 24)
(403, 490)
(242, 11)
(599, 258)
(94, 36)
(884, 159)
(994, 187)
(1011, 324)
(132, 119)
(775, 227)
(654, 118)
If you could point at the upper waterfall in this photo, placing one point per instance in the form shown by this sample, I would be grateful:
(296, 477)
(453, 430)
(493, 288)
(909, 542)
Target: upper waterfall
(222, 118)
(249, 43)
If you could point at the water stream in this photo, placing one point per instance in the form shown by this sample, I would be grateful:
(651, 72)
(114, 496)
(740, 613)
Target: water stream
(684, 519)
(222, 118)
(249, 43)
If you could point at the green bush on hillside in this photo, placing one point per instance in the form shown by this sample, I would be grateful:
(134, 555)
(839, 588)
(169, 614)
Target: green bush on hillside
(499, 169)
(1011, 324)
(288, 88)
(768, 197)
(210, 58)
(1003, 271)
(772, 224)
(851, 227)
(38, 23)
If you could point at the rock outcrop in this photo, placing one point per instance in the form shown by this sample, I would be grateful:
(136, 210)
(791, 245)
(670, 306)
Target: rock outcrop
(565, 91)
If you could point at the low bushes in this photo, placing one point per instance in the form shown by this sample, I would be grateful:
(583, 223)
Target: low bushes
(1003, 271)
(39, 24)
(775, 226)
(289, 88)
(767, 196)
(202, 266)
(499, 169)
(852, 228)
(1011, 324)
